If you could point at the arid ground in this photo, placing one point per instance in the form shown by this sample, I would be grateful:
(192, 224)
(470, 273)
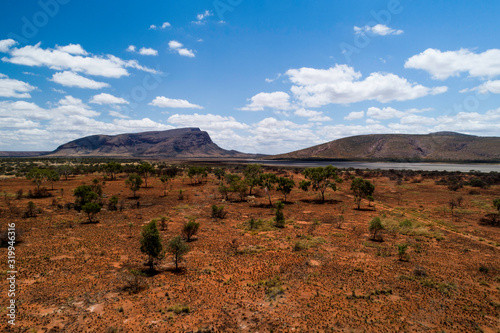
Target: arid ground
(318, 274)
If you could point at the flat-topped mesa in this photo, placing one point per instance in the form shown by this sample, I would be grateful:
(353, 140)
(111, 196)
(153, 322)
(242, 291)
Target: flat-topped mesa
(433, 147)
(179, 143)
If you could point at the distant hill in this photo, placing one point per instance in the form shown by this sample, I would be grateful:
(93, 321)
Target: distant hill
(175, 143)
(22, 153)
(434, 147)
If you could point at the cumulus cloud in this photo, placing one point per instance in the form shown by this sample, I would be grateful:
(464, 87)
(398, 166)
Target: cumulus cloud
(277, 100)
(131, 48)
(63, 58)
(71, 79)
(164, 102)
(355, 115)
(6, 44)
(442, 65)
(118, 115)
(487, 87)
(343, 85)
(312, 115)
(384, 113)
(104, 98)
(206, 121)
(379, 30)
(14, 88)
(175, 46)
(143, 50)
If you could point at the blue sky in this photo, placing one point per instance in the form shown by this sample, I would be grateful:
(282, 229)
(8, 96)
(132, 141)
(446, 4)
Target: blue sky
(260, 76)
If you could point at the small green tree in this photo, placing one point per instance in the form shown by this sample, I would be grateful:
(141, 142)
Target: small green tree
(320, 178)
(252, 175)
(496, 204)
(113, 168)
(219, 173)
(190, 228)
(37, 176)
(279, 218)
(65, 170)
(267, 182)
(218, 212)
(362, 189)
(113, 203)
(134, 183)
(92, 209)
(52, 176)
(197, 173)
(145, 169)
(239, 187)
(375, 227)
(84, 194)
(151, 243)
(285, 186)
(403, 256)
(178, 248)
(164, 181)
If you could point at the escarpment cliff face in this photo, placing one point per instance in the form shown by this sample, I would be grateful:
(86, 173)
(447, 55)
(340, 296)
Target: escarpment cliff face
(436, 147)
(175, 143)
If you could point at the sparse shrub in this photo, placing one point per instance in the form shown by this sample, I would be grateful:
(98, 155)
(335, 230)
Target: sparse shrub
(218, 212)
(190, 228)
(419, 271)
(151, 243)
(177, 247)
(113, 203)
(340, 221)
(483, 269)
(163, 222)
(279, 218)
(362, 189)
(496, 204)
(31, 210)
(130, 226)
(134, 281)
(134, 183)
(178, 309)
(299, 246)
(406, 223)
(375, 228)
(181, 195)
(254, 224)
(403, 256)
(19, 194)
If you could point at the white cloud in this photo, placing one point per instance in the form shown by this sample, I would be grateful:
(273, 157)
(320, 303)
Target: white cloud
(131, 48)
(104, 98)
(442, 65)
(148, 51)
(73, 49)
(6, 44)
(61, 59)
(70, 105)
(118, 115)
(379, 29)
(342, 85)
(71, 79)
(177, 47)
(201, 17)
(14, 88)
(487, 87)
(278, 100)
(355, 115)
(312, 115)
(206, 121)
(164, 102)
(384, 113)
(163, 26)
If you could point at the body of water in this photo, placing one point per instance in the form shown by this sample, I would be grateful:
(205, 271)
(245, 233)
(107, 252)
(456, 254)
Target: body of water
(388, 165)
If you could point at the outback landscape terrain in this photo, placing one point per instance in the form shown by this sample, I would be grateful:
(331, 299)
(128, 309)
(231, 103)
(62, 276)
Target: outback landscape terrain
(420, 253)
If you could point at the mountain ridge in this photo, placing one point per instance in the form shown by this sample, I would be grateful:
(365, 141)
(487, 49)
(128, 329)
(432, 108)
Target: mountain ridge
(433, 147)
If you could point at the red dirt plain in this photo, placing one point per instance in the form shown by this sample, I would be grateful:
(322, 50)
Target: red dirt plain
(71, 276)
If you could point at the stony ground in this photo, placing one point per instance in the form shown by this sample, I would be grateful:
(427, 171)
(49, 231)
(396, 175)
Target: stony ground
(311, 276)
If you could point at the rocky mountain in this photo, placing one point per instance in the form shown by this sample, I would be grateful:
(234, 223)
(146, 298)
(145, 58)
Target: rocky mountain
(434, 147)
(175, 143)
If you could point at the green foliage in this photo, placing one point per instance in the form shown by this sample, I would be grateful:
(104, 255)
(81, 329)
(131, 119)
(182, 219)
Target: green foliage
(134, 183)
(496, 204)
(403, 256)
(178, 309)
(145, 169)
(164, 180)
(112, 168)
(219, 173)
(285, 186)
(252, 175)
(267, 182)
(151, 243)
(177, 247)
(84, 194)
(30, 210)
(65, 170)
(92, 209)
(320, 178)
(362, 189)
(375, 227)
(37, 176)
(190, 228)
(279, 218)
(239, 187)
(113, 203)
(218, 212)
(197, 173)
